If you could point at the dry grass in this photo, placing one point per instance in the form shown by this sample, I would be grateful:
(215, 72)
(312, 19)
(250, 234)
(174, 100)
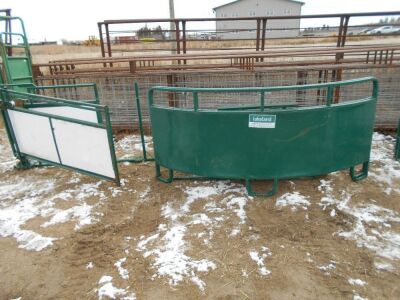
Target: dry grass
(46, 53)
(207, 44)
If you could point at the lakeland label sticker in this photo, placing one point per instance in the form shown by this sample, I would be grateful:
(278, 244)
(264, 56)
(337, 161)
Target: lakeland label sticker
(262, 121)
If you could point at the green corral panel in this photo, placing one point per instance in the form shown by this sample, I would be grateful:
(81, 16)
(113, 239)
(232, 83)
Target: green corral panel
(304, 142)
(264, 144)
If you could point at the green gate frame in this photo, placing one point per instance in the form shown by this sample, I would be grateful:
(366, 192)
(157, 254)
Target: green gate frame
(174, 129)
(144, 157)
(26, 83)
(31, 91)
(12, 71)
(33, 100)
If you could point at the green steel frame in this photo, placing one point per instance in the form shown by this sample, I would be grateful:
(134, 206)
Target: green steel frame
(182, 139)
(53, 102)
(25, 83)
(141, 130)
(397, 148)
(7, 97)
(17, 69)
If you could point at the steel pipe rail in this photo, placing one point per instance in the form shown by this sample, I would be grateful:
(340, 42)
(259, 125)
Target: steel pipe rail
(260, 27)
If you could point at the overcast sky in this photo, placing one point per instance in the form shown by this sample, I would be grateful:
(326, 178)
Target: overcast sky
(77, 19)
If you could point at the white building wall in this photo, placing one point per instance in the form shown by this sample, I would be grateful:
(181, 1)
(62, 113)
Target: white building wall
(258, 8)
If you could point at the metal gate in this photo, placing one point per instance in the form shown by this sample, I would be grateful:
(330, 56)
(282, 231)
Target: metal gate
(71, 134)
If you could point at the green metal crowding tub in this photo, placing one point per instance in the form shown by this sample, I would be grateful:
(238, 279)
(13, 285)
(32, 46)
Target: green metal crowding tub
(263, 142)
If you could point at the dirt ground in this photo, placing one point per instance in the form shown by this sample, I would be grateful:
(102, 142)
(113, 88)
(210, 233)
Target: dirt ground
(69, 236)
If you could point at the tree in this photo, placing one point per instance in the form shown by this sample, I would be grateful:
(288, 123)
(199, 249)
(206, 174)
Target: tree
(147, 32)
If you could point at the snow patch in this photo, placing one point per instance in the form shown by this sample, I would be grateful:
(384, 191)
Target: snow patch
(387, 174)
(80, 213)
(23, 199)
(329, 267)
(133, 143)
(358, 297)
(382, 241)
(145, 193)
(371, 226)
(170, 258)
(359, 282)
(121, 270)
(259, 259)
(383, 265)
(167, 249)
(294, 200)
(90, 265)
(107, 289)
(26, 205)
(237, 205)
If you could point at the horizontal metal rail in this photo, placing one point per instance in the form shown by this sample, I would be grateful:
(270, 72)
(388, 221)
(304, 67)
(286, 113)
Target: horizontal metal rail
(362, 14)
(42, 98)
(180, 35)
(245, 60)
(256, 54)
(262, 90)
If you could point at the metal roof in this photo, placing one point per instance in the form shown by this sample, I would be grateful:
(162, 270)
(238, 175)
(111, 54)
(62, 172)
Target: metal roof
(299, 2)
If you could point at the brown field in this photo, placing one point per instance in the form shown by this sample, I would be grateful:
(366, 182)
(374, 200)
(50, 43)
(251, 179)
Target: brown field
(69, 236)
(64, 235)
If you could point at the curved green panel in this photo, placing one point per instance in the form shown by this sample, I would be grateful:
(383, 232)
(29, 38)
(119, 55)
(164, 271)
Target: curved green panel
(304, 142)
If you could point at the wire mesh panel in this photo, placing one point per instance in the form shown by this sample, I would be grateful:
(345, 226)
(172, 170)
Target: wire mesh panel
(117, 92)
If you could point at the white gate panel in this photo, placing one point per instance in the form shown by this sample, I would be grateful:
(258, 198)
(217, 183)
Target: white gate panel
(84, 147)
(33, 135)
(69, 112)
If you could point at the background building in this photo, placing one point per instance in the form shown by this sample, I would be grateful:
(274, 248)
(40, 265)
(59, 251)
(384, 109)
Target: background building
(258, 8)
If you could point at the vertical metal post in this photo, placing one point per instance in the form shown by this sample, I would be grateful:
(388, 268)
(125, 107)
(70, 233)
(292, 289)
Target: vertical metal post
(141, 129)
(344, 33)
(171, 95)
(339, 38)
(329, 96)
(301, 80)
(195, 101)
(103, 52)
(338, 43)
(184, 39)
(262, 100)
(258, 35)
(263, 33)
(344, 23)
(111, 143)
(178, 41)
(172, 35)
(7, 124)
(397, 148)
(108, 40)
(8, 40)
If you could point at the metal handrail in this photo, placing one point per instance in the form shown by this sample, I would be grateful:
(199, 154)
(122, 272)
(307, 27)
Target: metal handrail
(262, 90)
